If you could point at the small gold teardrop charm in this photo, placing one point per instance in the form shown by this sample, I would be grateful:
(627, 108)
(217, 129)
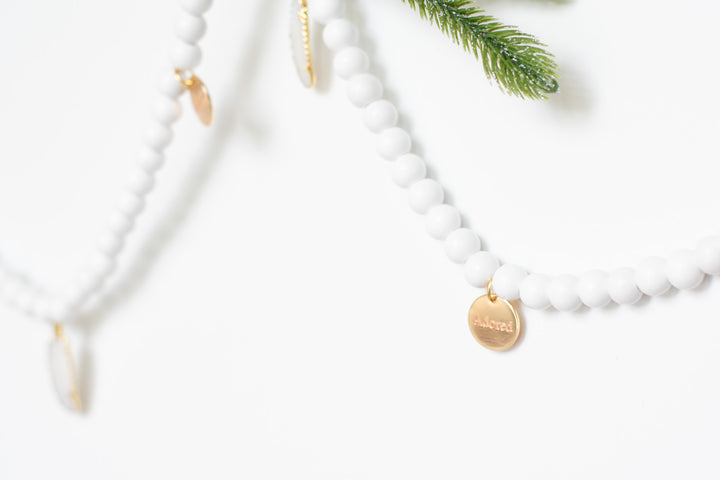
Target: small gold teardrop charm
(199, 96)
(494, 322)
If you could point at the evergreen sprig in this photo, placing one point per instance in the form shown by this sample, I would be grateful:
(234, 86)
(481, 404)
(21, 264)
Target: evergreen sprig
(516, 61)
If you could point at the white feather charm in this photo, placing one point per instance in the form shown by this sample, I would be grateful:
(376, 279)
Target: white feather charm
(62, 369)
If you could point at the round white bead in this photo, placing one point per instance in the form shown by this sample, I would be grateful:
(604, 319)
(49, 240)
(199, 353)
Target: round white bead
(351, 61)
(651, 276)
(12, 290)
(130, 204)
(24, 301)
(393, 142)
(150, 160)
(41, 308)
(94, 275)
(533, 291)
(60, 311)
(140, 182)
(425, 194)
(165, 110)
(707, 255)
(120, 223)
(157, 136)
(506, 281)
(441, 220)
(379, 115)
(622, 287)
(408, 169)
(592, 288)
(185, 56)
(110, 244)
(682, 271)
(190, 28)
(322, 11)
(480, 268)
(340, 33)
(461, 243)
(364, 89)
(196, 7)
(169, 86)
(563, 294)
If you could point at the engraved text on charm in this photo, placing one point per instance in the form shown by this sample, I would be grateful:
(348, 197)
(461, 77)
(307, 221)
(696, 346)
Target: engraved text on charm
(494, 322)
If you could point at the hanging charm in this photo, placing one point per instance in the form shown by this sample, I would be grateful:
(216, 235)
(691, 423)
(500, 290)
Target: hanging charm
(199, 96)
(300, 42)
(63, 371)
(493, 321)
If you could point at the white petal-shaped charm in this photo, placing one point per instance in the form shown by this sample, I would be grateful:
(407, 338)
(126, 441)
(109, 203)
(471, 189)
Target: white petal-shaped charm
(300, 41)
(62, 369)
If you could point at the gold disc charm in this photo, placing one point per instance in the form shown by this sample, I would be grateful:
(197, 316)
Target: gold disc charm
(494, 322)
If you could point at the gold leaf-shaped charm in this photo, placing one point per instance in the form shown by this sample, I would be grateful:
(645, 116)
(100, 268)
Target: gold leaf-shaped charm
(201, 100)
(63, 371)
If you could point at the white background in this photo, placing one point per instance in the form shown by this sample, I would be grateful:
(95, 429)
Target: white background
(281, 313)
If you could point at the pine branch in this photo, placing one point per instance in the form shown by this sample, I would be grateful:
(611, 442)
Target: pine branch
(516, 61)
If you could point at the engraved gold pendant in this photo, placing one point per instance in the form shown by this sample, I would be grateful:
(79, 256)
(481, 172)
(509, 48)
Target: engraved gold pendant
(493, 321)
(199, 96)
(300, 42)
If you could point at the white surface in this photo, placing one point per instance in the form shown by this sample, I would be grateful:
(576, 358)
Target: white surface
(283, 314)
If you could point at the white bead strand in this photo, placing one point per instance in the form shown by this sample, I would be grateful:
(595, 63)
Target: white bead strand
(684, 269)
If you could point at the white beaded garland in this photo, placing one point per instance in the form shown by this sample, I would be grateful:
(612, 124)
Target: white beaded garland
(339, 33)
(707, 255)
(350, 61)
(322, 11)
(682, 271)
(196, 7)
(592, 288)
(461, 243)
(393, 142)
(562, 292)
(190, 28)
(408, 169)
(506, 281)
(622, 287)
(480, 267)
(651, 276)
(380, 115)
(424, 195)
(363, 89)
(185, 56)
(533, 291)
(441, 220)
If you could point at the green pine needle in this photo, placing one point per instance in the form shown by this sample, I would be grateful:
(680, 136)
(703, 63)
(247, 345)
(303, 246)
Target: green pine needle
(518, 62)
